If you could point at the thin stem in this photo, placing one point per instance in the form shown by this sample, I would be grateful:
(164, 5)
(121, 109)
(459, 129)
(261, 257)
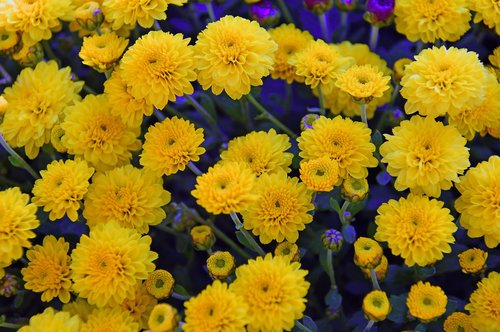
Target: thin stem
(374, 37)
(394, 96)
(369, 326)
(344, 17)
(180, 297)
(373, 277)
(342, 212)
(302, 327)
(18, 159)
(248, 237)
(323, 21)
(157, 26)
(362, 110)
(265, 113)
(285, 11)
(331, 271)
(420, 47)
(167, 229)
(210, 252)
(173, 111)
(89, 90)
(10, 325)
(245, 114)
(159, 115)
(321, 98)
(194, 169)
(207, 116)
(7, 79)
(49, 52)
(210, 10)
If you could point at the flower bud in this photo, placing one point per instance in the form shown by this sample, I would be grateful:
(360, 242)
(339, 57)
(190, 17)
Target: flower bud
(473, 261)
(399, 69)
(318, 6)
(160, 284)
(307, 121)
(287, 249)
(367, 253)
(354, 190)
(376, 305)
(203, 237)
(9, 42)
(29, 56)
(220, 265)
(379, 12)
(380, 270)
(332, 240)
(345, 5)
(163, 317)
(8, 285)
(55, 139)
(265, 13)
(89, 16)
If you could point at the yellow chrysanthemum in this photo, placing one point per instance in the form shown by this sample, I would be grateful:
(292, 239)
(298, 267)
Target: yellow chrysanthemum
(216, 309)
(479, 203)
(220, 265)
(163, 318)
(51, 320)
(62, 187)
(48, 269)
(483, 306)
(362, 55)
(319, 174)
(140, 305)
(376, 305)
(280, 209)
(288, 250)
(263, 152)
(94, 134)
(109, 262)
(367, 253)
(426, 302)
(446, 20)
(4, 104)
(56, 133)
(494, 57)
(458, 322)
(487, 11)
(380, 270)
(290, 41)
(203, 237)
(274, 290)
(170, 145)
(343, 140)
(425, 155)
(363, 83)
(35, 103)
(442, 80)
(354, 190)
(473, 260)
(110, 319)
(416, 228)
(79, 307)
(225, 188)
(160, 284)
(232, 55)
(17, 220)
(9, 41)
(159, 67)
(101, 52)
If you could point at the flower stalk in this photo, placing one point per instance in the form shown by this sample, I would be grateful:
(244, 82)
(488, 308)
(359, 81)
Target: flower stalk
(248, 237)
(16, 159)
(265, 114)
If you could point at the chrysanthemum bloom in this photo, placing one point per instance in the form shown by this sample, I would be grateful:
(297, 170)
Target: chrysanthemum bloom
(376, 305)
(354, 190)
(288, 250)
(416, 228)
(367, 253)
(446, 20)
(442, 80)
(160, 284)
(232, 55)
(343, 140)
(18, 220)
(263, 152)
(123, 103)
(170, 145)
(203, 237)
(35, 103)
(280, 209)
(494, 57)
(163, 318)
(140, 305)
(56, 133)
(48, 269)
(275, 291)
(110, 319)
(88, 14)
(363, 83)
(62, 187)
(216, 309)
(9, 41)
(51, 320)
(132, 197)
(220, 265)
(109, 262)
(478, 205)
(483, 306)
(79, 307)
(426, 302)
(380, 270)
(458, 321)
(290, 41)
(159, 67)
(473, 260)
(319, 174)
(29, 56)
(94, 134)
(225, 188)
(101, 52)
(487, 11)
(425, 155)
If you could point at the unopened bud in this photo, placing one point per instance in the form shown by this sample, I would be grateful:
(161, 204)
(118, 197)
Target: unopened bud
(203, 237)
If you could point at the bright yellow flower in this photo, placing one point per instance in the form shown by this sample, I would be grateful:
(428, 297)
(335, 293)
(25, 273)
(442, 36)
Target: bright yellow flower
(381, 269)
(203, 237)
(354, 190)
(101, 52)
(363, 83)
(319, 174)
(494, 57)
(160, 284)
(288, 250)
(55, 139)
(458, 322)
(9, 41)
(473, 260)
(376, 305)
(109, 319)
(483, 306)
(426, 302)
(163, 318)
(51, 320)
(79, 307)
(362, 55)
(140, 305)
(220, 265)
(367, 253)
(487, 11)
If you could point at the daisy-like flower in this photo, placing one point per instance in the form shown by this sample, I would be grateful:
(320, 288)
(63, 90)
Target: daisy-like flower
(163, 318)
(232, 55)
(51, 320)
(101, 52)
(220, 265)
(376, 305)
(108, 263)
(160, 284)
(159, 67)
(473, 260)
(79, 307)
(416, 228)
(35, 103)
(446, 20)
(225, 188)
(458, 321)
(344, 141)
(170, 145)
(319, 174)
(48, 269)
(487, 11)
(216, 309)
(483, 306)
(425, 155)
(363, 83)
(426, 302)
(442, 80)
(96, 135)
(367, 253)
(280, 209)
(140, 305)
(62, 187)
(132, 197)
(263, 152)
(109, 319)
(290, 41)
(275, 291)
(478, 203)
(288, 250)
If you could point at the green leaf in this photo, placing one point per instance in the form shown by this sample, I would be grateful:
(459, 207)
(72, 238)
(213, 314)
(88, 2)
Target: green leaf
(420, 327)
(310, 324)
(181, 290)
(334, 204)
(398, 314)
(16, 162)
(242, 239)
(424, 272)
(333, 299)
(208, 104)
(377, 139)
(19, 299)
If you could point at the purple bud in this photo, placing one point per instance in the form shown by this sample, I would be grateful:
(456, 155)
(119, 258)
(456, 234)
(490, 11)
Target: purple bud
(318, 6)
(332, 240)
(345, 5)
(265, 13)
(381, 9)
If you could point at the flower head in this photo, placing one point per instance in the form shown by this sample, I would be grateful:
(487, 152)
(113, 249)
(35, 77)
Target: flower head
(367, 253)
(483, 307)
(203, 237)
(51, 320)
(354, 190)
(458, 321)
(79, 307)
(220, 265)
(473, 260)
(109, 319)
(140, 305)
(426, 302)
(376, 305)
(160, 284)
(101, 52)
(363, 83)
(332, 240)
(487, 11)
(380, 10)
(320, 174)
(9, 284)
(289, 250)
(163, 318)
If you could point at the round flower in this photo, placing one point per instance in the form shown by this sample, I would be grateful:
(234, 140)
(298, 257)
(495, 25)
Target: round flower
(203, 237)
(343, 140)
(367, 253)
(170, 145)
(109, 319)
(290, 41)
(35, 103)
(51, 320)
(109, 262)
(93, 133)
(225, 188)
(232, 55)
(56, 135)
(473, 260)
(263, 152)
(478, 205)
(376, 305)
(332, 240)
(458, 321)
(140, 305)
(160, 284)
(216, 309)
(132, 197)
(483, 306)
(62, 187)
(416, 228)
(159, 67)
(274, 290)
(288, 250)
(101, 52)
(354, 190)
(399, 68)
(426, 302)
(48, 269)
(425, 155)
(9, 41)
(17, 220)
(280, 209)
(79, 307)
(494, 58)
(380, 270)
(319, 174)
(163, 318)
(487, 11)
(363, 83)
(442, 80)
(446, 20)
(220, 264)
(380, 11)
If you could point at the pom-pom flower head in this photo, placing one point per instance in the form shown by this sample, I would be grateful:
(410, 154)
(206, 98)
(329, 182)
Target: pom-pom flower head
(376, 305)
(163, 318)
(101, 52)
(367, 253)
(110, 319)
(473, 260)
(160, 284)
(487, 11)
(363, 83)
(139, 305)
(319, 174)
(220, 265)
(51, 320)
(426, 302)
(458, 321)
(483, 306)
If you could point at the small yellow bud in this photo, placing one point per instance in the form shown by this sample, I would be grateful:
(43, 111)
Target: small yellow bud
(203, 238)
(220, 265)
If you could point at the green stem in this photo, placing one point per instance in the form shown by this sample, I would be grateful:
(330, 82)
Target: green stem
(342, 212)
(344, 16)
(302, 327)
(10, 325)
(285, 11)
(194, 169)
(323, 21)
(210, 252)
(49, 52)
(265, 113)
(362, 110)
(89, 90)
(250, 239)
(180, 297)
(210, 10)
(173, 111)
(18, 159)
(204, 113)
(373, 277)
(159, 115)
(331, 271)
(157, 26)
(369, 326)
(374, 37)
(288, 98)
(167, 229)
(321, 100)
(394, 96)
